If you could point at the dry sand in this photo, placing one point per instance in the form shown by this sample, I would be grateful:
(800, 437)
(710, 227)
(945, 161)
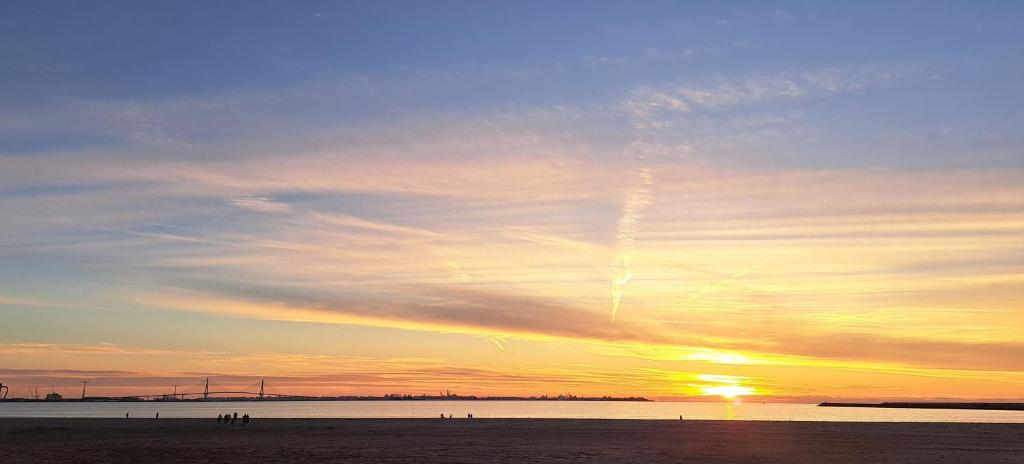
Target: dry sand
(502, 440)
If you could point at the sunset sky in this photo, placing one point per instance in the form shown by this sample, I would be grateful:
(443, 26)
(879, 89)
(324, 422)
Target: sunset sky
(665, 199)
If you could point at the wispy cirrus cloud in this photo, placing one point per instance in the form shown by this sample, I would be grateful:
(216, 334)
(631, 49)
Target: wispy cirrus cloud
(650, 106)
(536, 241)
(261, 204)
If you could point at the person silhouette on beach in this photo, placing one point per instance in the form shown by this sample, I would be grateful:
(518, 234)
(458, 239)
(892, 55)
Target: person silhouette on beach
(219, 418)
(126, 414)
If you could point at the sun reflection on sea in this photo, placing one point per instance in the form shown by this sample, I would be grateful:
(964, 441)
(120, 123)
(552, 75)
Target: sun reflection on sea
(730, 410)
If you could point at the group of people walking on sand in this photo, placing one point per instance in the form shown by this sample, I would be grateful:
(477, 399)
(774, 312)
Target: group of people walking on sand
(232, 418)
(452, 416)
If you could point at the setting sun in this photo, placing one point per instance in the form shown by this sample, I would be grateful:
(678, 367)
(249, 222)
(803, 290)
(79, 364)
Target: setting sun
(727, 391)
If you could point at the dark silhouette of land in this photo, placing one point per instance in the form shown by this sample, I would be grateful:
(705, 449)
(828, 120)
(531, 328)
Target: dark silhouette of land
(148, 440)
(146, 398)
(929, 405)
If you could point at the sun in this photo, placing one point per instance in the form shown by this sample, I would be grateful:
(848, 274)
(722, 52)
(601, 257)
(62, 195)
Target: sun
(728, 392)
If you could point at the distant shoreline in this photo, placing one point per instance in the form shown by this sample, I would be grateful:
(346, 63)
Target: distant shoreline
(320, 398)
(932, 405)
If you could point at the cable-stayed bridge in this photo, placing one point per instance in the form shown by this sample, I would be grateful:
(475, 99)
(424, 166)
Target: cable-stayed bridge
(202, 390)
(206, 389)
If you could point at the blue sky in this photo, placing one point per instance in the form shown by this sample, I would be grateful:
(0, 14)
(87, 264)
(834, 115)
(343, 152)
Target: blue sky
(952, 65)
(746, 177)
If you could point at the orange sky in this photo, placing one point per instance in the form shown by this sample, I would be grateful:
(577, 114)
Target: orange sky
(783, 283)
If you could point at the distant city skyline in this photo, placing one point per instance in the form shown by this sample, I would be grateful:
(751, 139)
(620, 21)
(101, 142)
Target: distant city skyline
(662, 199)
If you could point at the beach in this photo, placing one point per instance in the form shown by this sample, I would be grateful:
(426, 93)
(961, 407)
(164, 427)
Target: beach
(148, 440)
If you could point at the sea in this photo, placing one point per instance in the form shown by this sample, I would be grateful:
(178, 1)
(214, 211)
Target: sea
(753, 411)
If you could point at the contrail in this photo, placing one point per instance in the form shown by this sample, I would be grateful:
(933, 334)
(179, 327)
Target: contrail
(722, 283)
(643, 111)
(637, 199)
(499, 342)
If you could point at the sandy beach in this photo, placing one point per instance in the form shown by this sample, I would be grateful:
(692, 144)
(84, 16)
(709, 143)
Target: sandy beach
(503, 440)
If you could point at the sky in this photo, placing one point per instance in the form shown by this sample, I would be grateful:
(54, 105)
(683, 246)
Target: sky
(678, 200)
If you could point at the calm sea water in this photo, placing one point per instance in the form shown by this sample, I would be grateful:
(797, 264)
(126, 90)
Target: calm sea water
(507, 409)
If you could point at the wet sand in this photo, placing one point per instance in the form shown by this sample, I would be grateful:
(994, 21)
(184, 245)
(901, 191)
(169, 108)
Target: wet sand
(503, 440)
